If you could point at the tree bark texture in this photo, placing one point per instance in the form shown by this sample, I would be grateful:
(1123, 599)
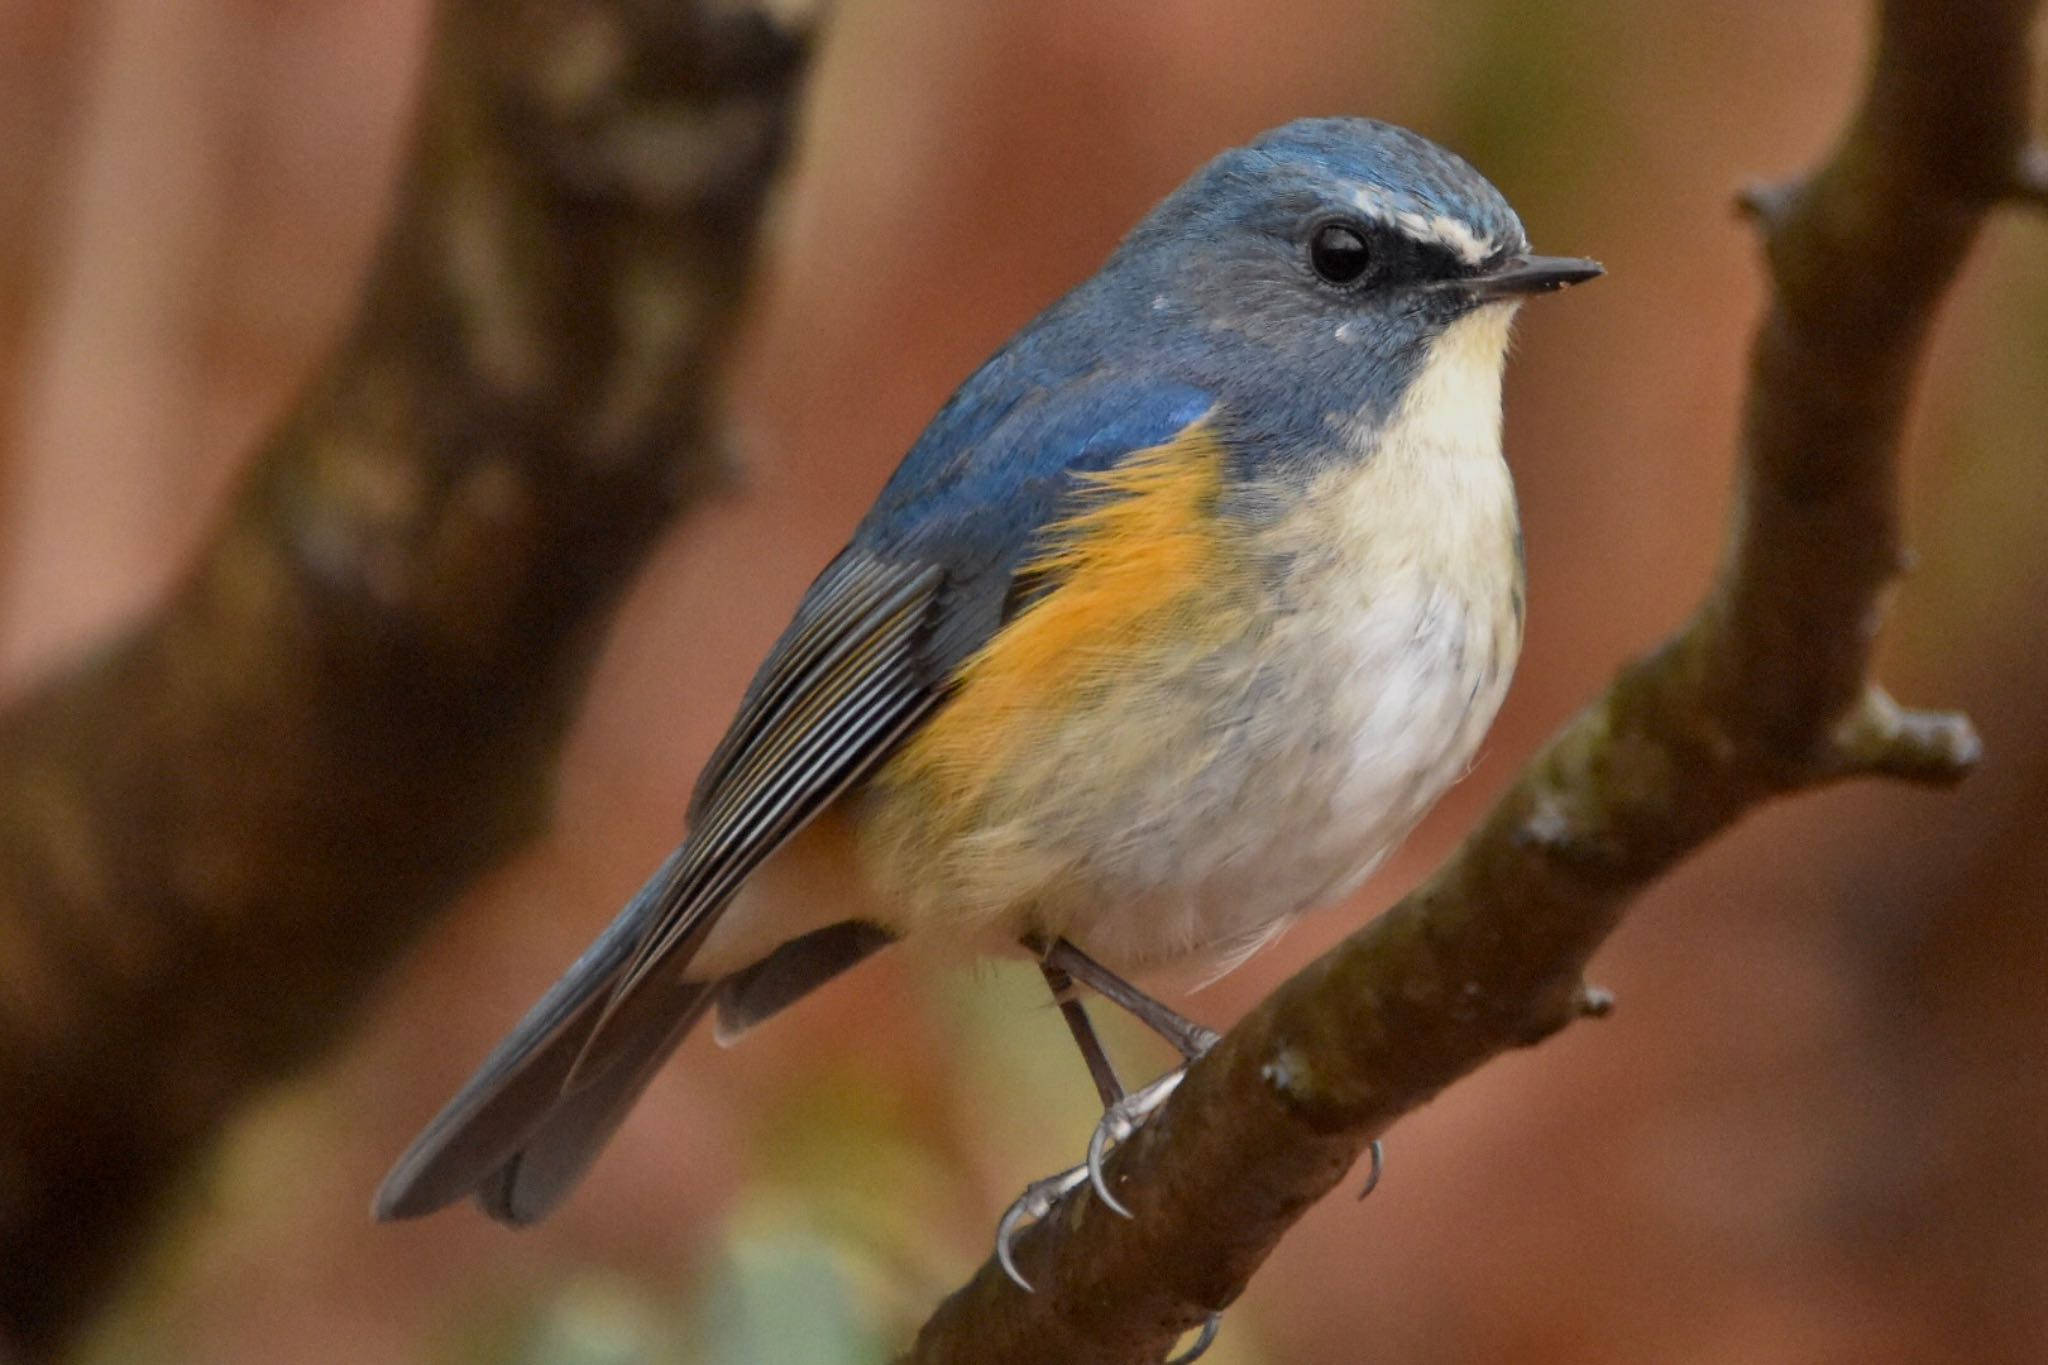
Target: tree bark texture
(217, 833)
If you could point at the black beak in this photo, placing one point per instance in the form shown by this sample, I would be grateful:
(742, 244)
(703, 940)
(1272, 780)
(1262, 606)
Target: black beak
(1519, 275)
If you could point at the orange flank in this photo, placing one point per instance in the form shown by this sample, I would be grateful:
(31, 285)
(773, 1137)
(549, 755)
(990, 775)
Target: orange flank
(1136, 571)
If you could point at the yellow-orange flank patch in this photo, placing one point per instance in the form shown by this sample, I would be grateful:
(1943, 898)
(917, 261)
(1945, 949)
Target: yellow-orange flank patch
(1131, 571)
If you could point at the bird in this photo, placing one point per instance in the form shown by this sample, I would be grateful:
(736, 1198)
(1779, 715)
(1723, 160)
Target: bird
(1179, 615)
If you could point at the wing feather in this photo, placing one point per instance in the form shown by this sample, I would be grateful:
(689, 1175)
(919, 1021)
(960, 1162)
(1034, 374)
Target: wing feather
(836, 693)
(852, 585)
(860, 696)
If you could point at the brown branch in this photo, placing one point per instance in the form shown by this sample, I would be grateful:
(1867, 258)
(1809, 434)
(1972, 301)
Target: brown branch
(2030, 180)
(215, 835)
(1767, 691)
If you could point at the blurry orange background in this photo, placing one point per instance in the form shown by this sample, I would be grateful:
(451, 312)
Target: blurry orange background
(1813, 1130)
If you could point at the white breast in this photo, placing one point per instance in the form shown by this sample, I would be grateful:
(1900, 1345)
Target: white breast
(1306, 755)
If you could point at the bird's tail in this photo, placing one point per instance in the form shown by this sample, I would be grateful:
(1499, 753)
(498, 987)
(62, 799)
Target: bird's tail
(553, 1157)
(526, 1127)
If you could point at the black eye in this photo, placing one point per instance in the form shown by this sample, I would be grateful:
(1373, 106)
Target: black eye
(1338, 253)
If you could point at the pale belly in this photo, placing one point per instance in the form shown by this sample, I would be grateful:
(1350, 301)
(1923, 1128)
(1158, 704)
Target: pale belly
(1202, 802)
(1215, 722)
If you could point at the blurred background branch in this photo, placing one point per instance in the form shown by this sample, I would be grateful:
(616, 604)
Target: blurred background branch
(217, 832)
(1766, 691)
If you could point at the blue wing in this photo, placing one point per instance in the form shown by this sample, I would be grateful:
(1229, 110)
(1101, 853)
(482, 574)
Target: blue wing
(977, 509)
(970, 502)
(924, 582)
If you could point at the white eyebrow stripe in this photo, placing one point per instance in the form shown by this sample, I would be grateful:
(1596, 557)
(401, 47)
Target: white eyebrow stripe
(1468, 244)
(1442, 229)
(1372, 201)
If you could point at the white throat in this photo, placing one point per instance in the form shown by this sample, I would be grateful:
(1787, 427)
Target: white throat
(1451, 410)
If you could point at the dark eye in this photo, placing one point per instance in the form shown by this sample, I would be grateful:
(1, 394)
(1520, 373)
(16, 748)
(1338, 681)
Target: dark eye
(1338, 253)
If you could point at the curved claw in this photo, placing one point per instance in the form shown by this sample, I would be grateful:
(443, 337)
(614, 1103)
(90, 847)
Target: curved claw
(1112, 1128)
(1202, 1343)
(1005, 1230)
(1036, 1201)
(1119, 1121)
(1379, 1165)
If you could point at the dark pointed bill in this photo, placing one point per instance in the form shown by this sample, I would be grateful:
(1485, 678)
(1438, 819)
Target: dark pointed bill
(1520, 275)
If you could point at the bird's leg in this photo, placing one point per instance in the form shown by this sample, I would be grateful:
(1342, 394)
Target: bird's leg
(1083, 1028)
(1062, 964)
(1121, 1113)
(1189, 1038)
(1040, 1196)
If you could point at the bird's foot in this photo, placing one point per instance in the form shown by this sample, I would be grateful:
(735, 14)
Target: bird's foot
(1036, 1202)
(1121, 1120)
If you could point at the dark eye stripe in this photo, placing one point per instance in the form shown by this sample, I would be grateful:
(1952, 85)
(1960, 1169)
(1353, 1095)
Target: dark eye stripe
(1366, 252)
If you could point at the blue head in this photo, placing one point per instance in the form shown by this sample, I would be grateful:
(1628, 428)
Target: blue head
(1332, 255)
(1294, 289)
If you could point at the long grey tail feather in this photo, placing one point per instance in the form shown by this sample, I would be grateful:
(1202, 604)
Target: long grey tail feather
(521, 1133)
(556, 1154)
(521, 1083)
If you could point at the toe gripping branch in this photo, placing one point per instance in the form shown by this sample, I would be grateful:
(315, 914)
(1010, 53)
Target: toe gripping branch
(1122, 1113)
